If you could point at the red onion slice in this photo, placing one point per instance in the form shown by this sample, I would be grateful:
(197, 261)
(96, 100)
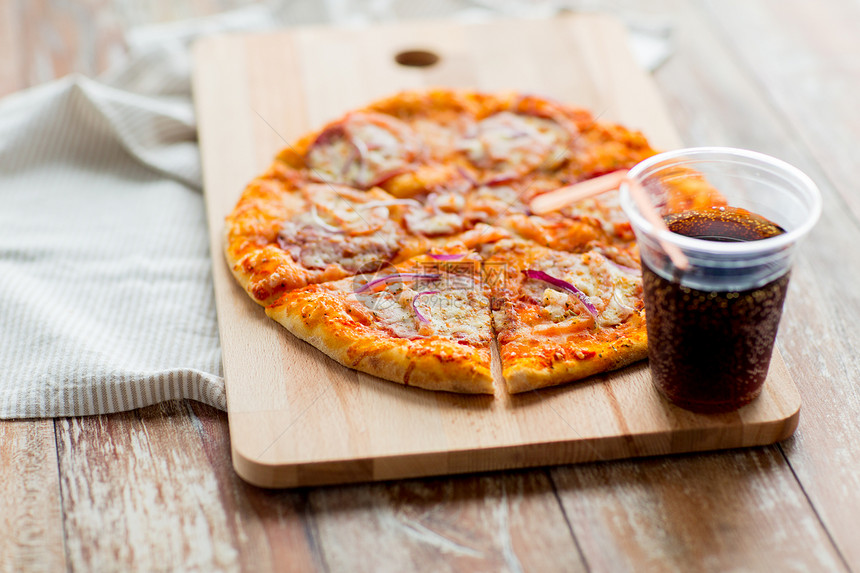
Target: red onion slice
(395, 277)
(359, 146)
(467, 175)
(447, 257)
(420, 316)
(542, 276)
(327, 136)
(315, 217)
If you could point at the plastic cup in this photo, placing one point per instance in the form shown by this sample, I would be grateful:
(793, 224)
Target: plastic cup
(712, 326)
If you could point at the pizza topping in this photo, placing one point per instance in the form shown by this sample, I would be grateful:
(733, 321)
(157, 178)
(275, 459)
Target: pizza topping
(435, 218)
(314, 247)
(364, 150)
(315, 218)
(388, 309)
(511, 145)
(432, 225)
(343, 209)
(467, 175)
(397, 277)
(624, 268)
(453, 311)
(626, 295)
(389, 203)
(450, 201)
(556, 304)
(420, 316)
(542, 276)
(488, 203)
(343, 226)
(447, 256)
(607, 211)
(586, 285)
(439, 137)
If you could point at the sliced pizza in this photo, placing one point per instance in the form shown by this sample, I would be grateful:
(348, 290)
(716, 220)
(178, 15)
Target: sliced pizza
(425, 322)
(360, 239)
(287, 233)
(563, 316)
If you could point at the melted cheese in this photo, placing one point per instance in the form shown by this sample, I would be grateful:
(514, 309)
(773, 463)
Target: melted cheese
(450, 312)
(508, 142)
(625, 294)
(336, 229)
(451, 202)
(442, 216)
(428, 223)
(613, 292)
(488, 203)
(361, 151)
(355, 254)
(333, 160)
(556, 304)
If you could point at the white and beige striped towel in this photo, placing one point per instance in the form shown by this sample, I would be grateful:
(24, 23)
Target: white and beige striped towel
(106, 299)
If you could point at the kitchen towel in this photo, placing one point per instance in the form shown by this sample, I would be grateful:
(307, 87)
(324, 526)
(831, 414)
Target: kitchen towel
(106, 299)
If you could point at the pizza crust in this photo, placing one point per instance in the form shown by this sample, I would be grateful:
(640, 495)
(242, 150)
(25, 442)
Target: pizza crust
(322, 320)
(258, 253)
(531, 373)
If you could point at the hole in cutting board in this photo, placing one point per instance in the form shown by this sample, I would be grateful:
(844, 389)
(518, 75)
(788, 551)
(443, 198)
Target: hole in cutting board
(416, 58)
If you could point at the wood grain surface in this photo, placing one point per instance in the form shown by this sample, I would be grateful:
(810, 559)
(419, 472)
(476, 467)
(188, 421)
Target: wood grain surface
(773, 75)
(808, 115)
(298, 418)
(30, 506)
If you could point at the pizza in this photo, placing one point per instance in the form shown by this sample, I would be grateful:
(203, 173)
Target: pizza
(399, 241)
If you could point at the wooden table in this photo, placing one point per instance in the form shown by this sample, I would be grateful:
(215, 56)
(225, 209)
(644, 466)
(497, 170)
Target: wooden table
(154, 489)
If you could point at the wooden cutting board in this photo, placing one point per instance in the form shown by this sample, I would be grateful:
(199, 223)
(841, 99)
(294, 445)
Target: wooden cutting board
(298, 418)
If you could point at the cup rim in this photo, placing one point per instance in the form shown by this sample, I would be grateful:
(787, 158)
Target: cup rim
(715, 247)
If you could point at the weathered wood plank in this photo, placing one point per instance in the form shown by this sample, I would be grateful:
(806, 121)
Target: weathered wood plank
(464, 524)
(57, 38)
(502, 522)
(139, 492)
(737, 511)
(272, 530)
(718, 99)
(31, 524)
(42, 40)
(130, 478)
(804, 59)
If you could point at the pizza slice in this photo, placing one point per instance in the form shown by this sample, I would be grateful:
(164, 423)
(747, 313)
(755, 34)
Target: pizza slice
(563, 316)
(286, 233)
(422, 323)
(401, 150)
(575, 148)
(596, 223)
